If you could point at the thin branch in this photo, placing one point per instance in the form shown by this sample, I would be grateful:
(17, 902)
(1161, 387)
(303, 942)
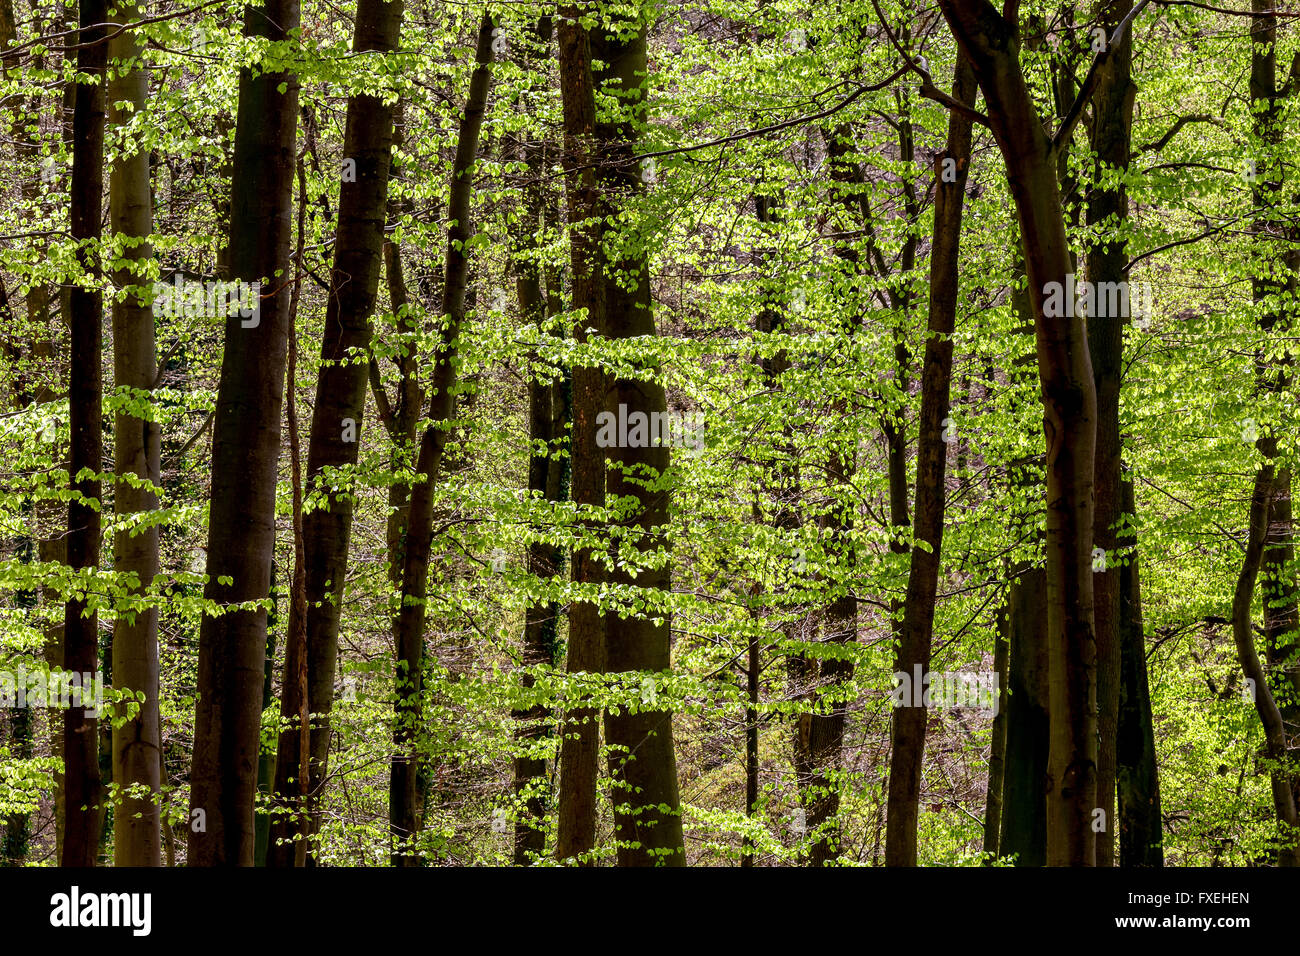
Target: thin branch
(1163, 141)
(919, 66)
(1093, 79)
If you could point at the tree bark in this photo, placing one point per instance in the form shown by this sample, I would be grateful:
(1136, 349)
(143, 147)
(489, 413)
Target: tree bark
(405, 810)
(1069, 424)
(245, 454)
(336, 425)
(81, 775)
(642, 761)
(909, 723)
(137, 749)
(580, 746)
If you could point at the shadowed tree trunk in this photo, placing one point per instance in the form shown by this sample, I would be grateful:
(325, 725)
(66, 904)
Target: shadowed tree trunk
(580, 746)
(404, 803)
(1141, 828)
(1273, 285)
(1069, 422)
(137, 749)
(337, 416)
(1023, 834)
(81, 775)
(998, 743)
(547, 480)
(909, 722)
(245, 455)
(1280, 773)
(642, 762)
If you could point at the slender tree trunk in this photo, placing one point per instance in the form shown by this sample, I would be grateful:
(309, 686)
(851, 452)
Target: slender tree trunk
(245, 454)
(137, 750)
(1108, 263)
(405, 810)
(1274, 279)
(580, 747)
(81, 776)
(781, 488)
(337, 416)
(1069, 426)
(1280, 775)
(909, 723)
(1141, 828)
(547, 480)
(266, 756)
(998, 744)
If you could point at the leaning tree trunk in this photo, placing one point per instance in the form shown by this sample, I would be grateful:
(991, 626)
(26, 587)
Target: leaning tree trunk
(909, 722)
(1069, 425)
(137, 749)
(1281, 775)
(336, 421)
(245, 457)
(404, 800)
(1273, 281)
(81, 776)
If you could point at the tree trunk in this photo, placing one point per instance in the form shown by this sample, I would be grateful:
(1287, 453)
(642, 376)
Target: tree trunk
(1141, 828)
(1271, 282)
(81, 777)
(580, 747)
(337, 416)
(909, 723)
(405, 810)
(998, 743)
(1270, 717)
(1070, 417)
(245, 455)
(547, 480)
(137, 749)
(1108, 263)
(642, 761)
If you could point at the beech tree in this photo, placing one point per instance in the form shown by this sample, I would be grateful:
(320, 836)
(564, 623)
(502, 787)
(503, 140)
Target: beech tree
(245, 450)
(750, 435)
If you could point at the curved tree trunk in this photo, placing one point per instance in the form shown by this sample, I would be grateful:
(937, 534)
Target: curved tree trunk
(909, 723)
(1284, 801)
